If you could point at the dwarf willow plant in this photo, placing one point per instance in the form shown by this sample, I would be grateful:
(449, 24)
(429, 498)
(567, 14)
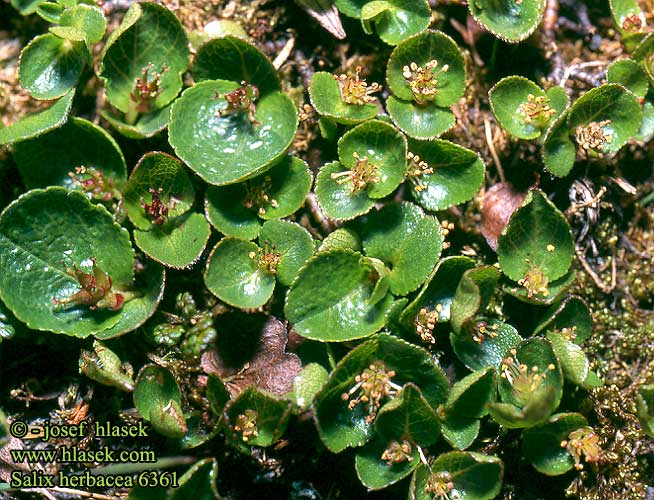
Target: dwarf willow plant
(379, 311)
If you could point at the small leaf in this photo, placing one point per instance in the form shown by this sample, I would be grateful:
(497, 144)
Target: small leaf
(630, 75)
(396, 20)
(199, 482)
(573, 360)
(7, 323)
(232, 58)
(268, 415)
(50, 11)
(292, 242)
(536, 247)
(331, 298)
(152, 35)
(375, 473)
(104, 366)
(308, 383)
(406, 240)
(427, 121)
(460, 432)
(473, 476)
(228, 148)
(341, 239)
(421, 49)
(77, 143)
(559, 151)
(158, 399)
(511, 21)
(81, 23)
(341, 427)
(325, 97)
(569, 316)
(469, 396)
(234, 276)
(50, 66)
(491, 350)
(472, 295)
(217, 394)
(541, 445)
(338, 201)
(500, 201)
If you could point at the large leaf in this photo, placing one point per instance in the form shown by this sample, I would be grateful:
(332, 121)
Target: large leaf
(509, 20)
(426, 121)
(81, 23)
(43, 233)
(491, 350)
(149, 34)
(229, 148)
(396, 20)
(336, 297)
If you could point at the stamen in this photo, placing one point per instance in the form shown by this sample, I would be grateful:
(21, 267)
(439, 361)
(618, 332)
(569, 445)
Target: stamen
(415, 169)
(425, 322)
(374, 385)
(362, 174)
(583, 443)
(537, 111)
(593, 136)
(355, 90)
(240, 100)
(397, 453)
(423, 81)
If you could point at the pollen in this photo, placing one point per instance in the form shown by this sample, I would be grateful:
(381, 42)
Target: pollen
(550, 248)
(416, 168)
(246, 425)
(481, 330)
(583, 443)
(593, 136)
(267, 258)
(397, 453)
(355, 90)
(441, 486)
(425, 322)
(372, 387)
(536, 111)
(525, 381)
(257, 197)
(424, 81)
(363, 174)
(535, 282)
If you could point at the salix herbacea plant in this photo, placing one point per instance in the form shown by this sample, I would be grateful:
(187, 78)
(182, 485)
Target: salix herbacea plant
(393, 341)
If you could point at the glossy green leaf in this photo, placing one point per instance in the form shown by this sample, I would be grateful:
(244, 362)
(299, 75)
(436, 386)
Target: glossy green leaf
(332, 298)
(50, 66)
(383, 146)
(217, 394)
(41, 234)
(149, 34)
(511, 20)
(644, 53)
(178, 243)
(491, 351)
(406, 240)
(630, 75)
(569, 316)
(646, 131)
(308, 383)
(340, 427)
(469, 396)
(460, 432)
(472, 295)
(147, 125)
(26, 7)
(473, 476)
(339, 201)
(234, 276)
(232, 58)
(292, 242)
(341, 239)
(325, 96)
(229, 148)
(157, 171)
(7, 323)
(236, 210)
(199, 482)
(457, 176)
(537, 244)
(572, 358)
(158, 400)
(104, 366)
(375, 473)
(396, 20)
(541, 445)
(50, 11)
(351, 8)
(81, 23)
(419, 121)
(557, 289)
(559, 151)
(48, 160)
(421, 49)
(270, 416)
(630, 21)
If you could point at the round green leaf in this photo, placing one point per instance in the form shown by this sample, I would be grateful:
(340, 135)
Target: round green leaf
(537, 241)
(325, 96)
(157, 171)
(491, 351)
(512, 20)
(629, 74)
(234, 276)
(340, 427)
(232, 58)
(332, 298)
(643, 54)
(41, 233)
(384, 147)
(573, 360)
(375, 473)
(338, 201)
(474, 476)
(81, 23)
(508, 99)
(48, 159)
(177, 244)
(458, 174)
(147, 125)
(406, 240)
(269, 414)
(343, 239)
(351, 8)
(610, 102)
(472, 296)
(158, 399)
(469, 396)
(426, 121)
(559, 151)
(50, 66)
(421, 49)
(228, 148)
(50, 11)
(573, 315)
(148, 34)
(396, 20)
(541, 445)
(293, 243)
(224, 209)
(460, 432)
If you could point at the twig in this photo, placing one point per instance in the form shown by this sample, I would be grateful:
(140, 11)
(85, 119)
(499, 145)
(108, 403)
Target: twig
(573, 68)
(596, 279)
(318, 214)
(284, 53)
(491, 146)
